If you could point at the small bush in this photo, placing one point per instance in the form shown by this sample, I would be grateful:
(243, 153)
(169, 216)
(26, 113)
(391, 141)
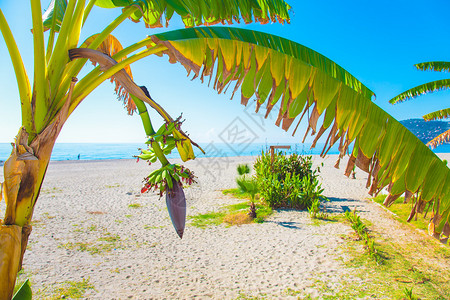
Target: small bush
(288, 181)
(314, 209)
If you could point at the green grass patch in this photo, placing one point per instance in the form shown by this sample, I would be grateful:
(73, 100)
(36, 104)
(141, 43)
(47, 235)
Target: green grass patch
(207, 219)
(416, 269)
(236, 193)
(104, 244)
(67, 290)
(403, 211)
(403, 268)
(230, 213)
(51, 191)
(153, 227)
(134, 205)
(113, 186)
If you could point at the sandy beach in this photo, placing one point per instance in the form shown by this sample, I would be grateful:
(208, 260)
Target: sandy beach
(132, 251)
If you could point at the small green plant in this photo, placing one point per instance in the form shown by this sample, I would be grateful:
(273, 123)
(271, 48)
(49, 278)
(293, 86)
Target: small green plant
(249, 186)
(243, 169)
(314, 209)
(409, 294)
(315, 212)
(134, 205)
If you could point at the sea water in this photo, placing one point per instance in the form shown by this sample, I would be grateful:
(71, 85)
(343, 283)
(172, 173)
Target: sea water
(92, 151)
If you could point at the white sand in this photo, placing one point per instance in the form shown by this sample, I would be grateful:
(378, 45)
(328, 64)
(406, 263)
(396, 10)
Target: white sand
(83, 201)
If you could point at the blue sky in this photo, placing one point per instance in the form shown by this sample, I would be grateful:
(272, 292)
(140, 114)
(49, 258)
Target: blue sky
(377, 41)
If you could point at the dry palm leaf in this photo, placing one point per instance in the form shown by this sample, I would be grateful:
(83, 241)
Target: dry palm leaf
(111, 46)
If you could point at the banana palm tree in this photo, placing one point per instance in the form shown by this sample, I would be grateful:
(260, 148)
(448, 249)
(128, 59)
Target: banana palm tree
(56, 92)
(430, 87)
(262, 65)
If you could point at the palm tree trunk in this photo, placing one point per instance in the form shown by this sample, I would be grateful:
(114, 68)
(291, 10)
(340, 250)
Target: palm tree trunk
(24, 173)
(10, 252)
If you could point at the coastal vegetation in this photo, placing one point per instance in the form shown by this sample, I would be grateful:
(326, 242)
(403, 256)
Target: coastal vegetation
(403, 270)
(363, 234)
(288, 181)
(279, 182)
(261, 65)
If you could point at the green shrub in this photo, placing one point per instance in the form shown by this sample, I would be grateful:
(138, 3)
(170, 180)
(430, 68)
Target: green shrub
(288, 181)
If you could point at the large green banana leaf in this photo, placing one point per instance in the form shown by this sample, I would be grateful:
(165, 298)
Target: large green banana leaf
(274, 70)
(203, 12)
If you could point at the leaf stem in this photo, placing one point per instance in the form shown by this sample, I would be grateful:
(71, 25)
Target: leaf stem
(87, 10)
(21, 74)
(142, 109)
(76, 66)
(40, 89)
(89, 82)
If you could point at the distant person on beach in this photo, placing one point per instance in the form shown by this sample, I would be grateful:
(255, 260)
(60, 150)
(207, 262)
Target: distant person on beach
(78, 156)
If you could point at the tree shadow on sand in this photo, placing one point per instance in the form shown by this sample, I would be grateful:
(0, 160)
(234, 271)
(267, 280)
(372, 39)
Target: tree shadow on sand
(341, 205)
(289, 224)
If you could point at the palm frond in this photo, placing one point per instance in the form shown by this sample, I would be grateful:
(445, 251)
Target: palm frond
(204, 12)
(275, 70)
(111, 46)
(437, 115)
(440, 66)
(439, 140)
(434, 86)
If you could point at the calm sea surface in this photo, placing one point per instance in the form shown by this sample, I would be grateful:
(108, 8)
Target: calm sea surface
(69, 151)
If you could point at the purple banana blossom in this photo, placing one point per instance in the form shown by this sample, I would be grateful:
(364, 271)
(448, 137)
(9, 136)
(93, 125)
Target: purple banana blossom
(176, 205)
